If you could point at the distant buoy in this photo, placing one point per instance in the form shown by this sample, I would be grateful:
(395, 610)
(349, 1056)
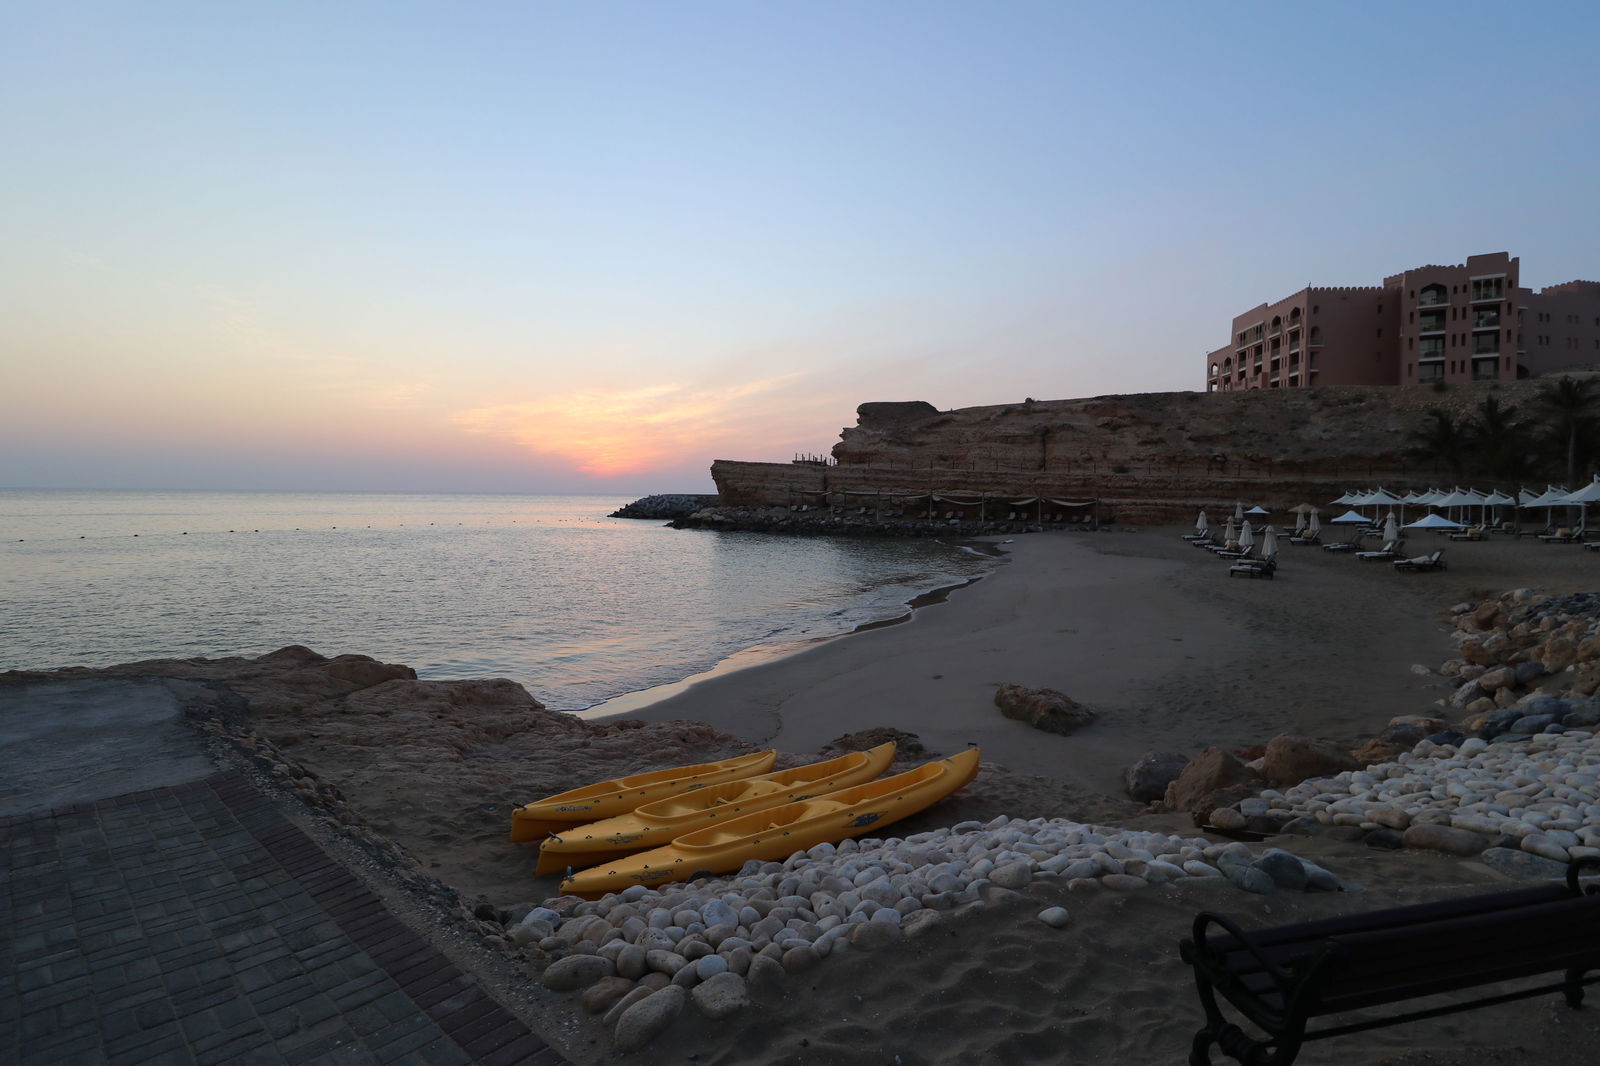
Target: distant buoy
(186, 532)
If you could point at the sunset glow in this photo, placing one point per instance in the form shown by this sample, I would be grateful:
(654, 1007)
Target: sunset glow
(541, 247)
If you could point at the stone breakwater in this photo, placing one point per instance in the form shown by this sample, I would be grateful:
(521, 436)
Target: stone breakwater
(854, 522)
(665, 505)
(640, 956)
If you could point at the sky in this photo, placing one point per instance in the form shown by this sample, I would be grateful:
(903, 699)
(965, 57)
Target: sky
(558, 247)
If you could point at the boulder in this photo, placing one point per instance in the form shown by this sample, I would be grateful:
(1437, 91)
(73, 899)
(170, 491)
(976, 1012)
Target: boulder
(720, 995)
(1147, 779)
(1042, 708)
(1214, 778)
(1291, 760)
(646, 1019)
(907, 745)
(576, 971)
(1444, 838)
(1557, 653)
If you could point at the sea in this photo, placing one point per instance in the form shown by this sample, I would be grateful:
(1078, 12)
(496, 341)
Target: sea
(581, 609)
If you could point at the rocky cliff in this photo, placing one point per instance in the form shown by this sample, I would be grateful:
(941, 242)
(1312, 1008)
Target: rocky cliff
(1144, 457)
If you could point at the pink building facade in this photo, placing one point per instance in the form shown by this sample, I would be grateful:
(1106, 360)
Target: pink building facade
(1468, 322)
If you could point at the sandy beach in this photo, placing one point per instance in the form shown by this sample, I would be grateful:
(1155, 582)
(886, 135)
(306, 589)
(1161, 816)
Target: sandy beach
(1152, 634)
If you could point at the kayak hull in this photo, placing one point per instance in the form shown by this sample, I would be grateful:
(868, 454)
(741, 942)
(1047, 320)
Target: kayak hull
(779, 832)
(657, 824)
(606, 799)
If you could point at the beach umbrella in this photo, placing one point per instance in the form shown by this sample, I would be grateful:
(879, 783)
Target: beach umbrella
(1344, 501)
(1200, 525)
(1300, 518)
(1238, 511)
(1588, 494)
(1391, 528)
(1316, 521)
(1269, 543)
(1258, 510)
(1247, 539)
(1349, 518)
(1228, 534)
(1433, 521)
(1497, 500)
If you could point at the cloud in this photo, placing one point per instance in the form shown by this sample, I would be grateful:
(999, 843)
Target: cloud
(606, 433)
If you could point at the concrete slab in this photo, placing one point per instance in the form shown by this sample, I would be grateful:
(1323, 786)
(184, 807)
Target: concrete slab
(78, 741)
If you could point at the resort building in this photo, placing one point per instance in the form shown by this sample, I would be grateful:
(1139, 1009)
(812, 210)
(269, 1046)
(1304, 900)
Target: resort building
(1468, 322)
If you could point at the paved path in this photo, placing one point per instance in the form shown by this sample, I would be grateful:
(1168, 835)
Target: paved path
(191, 923)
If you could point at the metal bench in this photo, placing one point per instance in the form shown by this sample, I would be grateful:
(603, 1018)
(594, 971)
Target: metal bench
(1281, 978)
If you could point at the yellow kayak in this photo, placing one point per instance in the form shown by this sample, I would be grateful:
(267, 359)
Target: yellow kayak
(605, 799)
(782, 831)
(655, 824)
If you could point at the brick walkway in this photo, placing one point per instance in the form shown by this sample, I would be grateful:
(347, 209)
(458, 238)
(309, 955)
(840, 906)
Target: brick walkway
(193, 924)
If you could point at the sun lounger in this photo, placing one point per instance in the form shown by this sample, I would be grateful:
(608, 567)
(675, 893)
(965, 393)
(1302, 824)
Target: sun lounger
(1391, 550)
(1307, 538)
(1253, 568)
(1343, 545)
(1475, 533)
(1563, 535)
(1422, 562)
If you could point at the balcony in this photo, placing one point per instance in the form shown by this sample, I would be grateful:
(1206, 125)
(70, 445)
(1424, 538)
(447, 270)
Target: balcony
(1486, 370)
(1430, 349)
(1484, 295)
(1486, 319)
(1433, 299)
(1486, 343)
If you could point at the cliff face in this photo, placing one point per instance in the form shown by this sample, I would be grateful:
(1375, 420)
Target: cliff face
(1147, 457)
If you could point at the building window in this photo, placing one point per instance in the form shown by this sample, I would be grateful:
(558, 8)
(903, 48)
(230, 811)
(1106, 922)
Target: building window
(1433, 296)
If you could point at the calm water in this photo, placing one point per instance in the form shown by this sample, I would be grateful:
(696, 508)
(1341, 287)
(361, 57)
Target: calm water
(545, 590)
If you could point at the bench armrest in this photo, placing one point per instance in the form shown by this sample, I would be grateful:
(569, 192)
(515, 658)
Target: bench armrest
(1574, 869)
(1283, 977)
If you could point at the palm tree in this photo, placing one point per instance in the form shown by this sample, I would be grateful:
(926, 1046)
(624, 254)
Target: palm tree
(1500, 439)
(1569, 402)
(1442, 437)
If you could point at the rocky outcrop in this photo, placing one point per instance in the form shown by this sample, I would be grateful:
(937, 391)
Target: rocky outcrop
(1042, 708)
(1214, 778)
(1144, 457)
(1290, 760)
(1147, 779)
(665, 506)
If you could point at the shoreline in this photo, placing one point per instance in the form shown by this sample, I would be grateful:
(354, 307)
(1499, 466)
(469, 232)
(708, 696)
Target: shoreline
(757, 655)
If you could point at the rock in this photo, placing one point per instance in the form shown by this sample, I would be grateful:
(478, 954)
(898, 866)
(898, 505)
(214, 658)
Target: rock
(1291, 760)
(1228, 819)
(604, 994)
(1285, 870)
(1558, 653)
(907, 745)
(638, 992)
(1383, 840)
(710, 966)
(1376, 751)
(1123, 882)
(667, 962)
(1444, 838)
(720, 996)
(576, 971)
(1147, 779)
(1212, 771)
(631, 962)
(1246, 876)
(1498, 678)
(1522, 865)
(1044, 708)
(764, 971)
(1012, 875)
(1055, 917)
(869, 936)
(805, 956)
(648, 1018)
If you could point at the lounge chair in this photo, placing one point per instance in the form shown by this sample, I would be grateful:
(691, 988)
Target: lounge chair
(1391, 550)
(1474, 533)
(1254, 568)
(1344, 545)
(1422, 562)
(1564, 535)
(1307, 537)
(1235, 553)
